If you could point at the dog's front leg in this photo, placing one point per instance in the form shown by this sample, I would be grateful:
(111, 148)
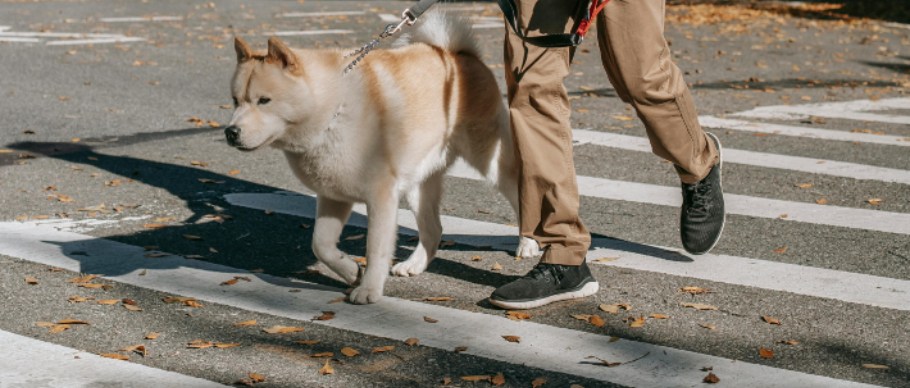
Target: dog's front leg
(382, 232)
(331, 215)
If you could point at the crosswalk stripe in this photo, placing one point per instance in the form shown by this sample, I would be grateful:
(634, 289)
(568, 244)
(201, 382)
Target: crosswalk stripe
(134, 19)
(817, 282)
(310, 32)
(319, 14)
(735, 204)
(811, 133)
(850, 110)
(397, 319)
(760, 159)
(33, 363)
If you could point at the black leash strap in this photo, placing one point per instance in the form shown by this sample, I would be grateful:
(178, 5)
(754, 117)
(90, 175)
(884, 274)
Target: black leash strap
(422, 6)
(510, 11)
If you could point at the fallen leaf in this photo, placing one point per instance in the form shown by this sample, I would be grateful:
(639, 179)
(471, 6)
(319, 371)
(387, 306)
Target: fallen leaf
(44, 324)
(58, 329)
(70, 321)
(412, 341)
(790, 342)
(31, 280)
(132, 307)
(781, 250)
(82, 279)
(326, 316)
(233, 172)
(637, 322)
(80, 299)
(614, 308)
(875, 366)
(115, 356)
(596, 320)
(155, 225)
(430, 320)
(496, 267)
(307, 342)
(199, 344)
(251, 322)
(538, 382)
(582, 317)
(350, 352)
(226, 345)
(770, 320)
(283, 329)
(459, 349)
(152, 335)
(694, 290)
(699, 306)
(659, 316)
(198, 163)
(821, 201)
(256, 377)
(875, 201)
(517, 315)
(93, 285)
(438, 299)
(383, 349)
(765, 353)
(476, 378)
(623, 117)
(138, 349)
(804, 185)
(512, 338)
(229, 282)
(447, 243)
(327, 369)
(711, 378)
(709, 326)
(498, 380)
(192, 303)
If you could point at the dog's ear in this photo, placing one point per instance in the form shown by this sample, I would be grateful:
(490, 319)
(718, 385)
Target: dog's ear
(243, 50)
(281, 54)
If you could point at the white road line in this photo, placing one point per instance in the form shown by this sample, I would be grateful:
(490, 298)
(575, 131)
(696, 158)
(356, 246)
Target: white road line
(761, 159)
(19, 40)
(397, 319)
(811, 133)
(849, 110)
(94, 41)
(134, 19)
(311, 32)
(69, 38)
(817, 282)
(4, 28)
(65, 35)
(33, 363)
(318, 14)
(844, 217)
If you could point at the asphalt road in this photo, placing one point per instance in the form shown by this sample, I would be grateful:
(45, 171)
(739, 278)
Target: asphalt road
(112, 115)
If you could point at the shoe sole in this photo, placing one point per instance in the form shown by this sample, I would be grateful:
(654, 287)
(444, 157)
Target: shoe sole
(720, 173)
(587, 290)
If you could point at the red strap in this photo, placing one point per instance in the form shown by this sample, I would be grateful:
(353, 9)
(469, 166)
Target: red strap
(596, 7)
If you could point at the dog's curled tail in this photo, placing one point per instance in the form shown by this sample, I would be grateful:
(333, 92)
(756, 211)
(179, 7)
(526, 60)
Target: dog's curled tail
(453, 33)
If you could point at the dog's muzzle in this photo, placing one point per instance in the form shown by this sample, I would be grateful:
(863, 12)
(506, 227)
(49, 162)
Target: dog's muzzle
(232, 134)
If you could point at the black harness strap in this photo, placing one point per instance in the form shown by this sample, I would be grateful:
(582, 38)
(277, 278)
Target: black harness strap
(583, 13)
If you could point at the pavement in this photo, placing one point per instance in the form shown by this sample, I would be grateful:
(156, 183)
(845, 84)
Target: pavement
(113, 163)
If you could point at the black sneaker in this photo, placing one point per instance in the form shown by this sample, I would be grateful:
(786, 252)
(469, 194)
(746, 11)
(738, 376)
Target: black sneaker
(546, 283)
(701, 220)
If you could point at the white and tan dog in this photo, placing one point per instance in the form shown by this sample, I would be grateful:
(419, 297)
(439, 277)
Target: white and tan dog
(391, 127)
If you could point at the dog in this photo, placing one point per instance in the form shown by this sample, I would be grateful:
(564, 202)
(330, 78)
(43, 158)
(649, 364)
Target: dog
(389, 128)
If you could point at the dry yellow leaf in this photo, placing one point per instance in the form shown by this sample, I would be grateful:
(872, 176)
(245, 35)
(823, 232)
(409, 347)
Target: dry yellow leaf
(875, 201)
(496, 267)
(283, 329)
(875, 366)
(822, 201)
(709, 326)
(31, 280)
(412, 341)
(131, 307)
(637, 322)
(623, 117)
(614, 308)
(438, 299)
(430, 320)
(229, 282)
(538, 382)
(199, 344)
(350, 352)
(327, 369)
(383, 349)
(512, 338)
(659, 316)
(781, 250)
(82, 279)
(804, 185)
(108, 302)
(192, 303)
(71, 321)
(326, 316)
(115, 356)
(765, 353)
(605, 259)
(44, 324)
(226, 345)
(711, 378)
(251, 322)
(233, 172)
(582, 317)
(694, 290)
(256, 377)
(790, 342)
(154, 225)
(699, 306)
(517, 315)
(596, 320)
(59, 328)
(476, 378)
(152, 335)
(498, 380)
(459, 349)
(771, 320)
(139, 349)
(198, 163)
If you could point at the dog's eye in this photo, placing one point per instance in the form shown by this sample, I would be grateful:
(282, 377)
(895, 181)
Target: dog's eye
(263, 100)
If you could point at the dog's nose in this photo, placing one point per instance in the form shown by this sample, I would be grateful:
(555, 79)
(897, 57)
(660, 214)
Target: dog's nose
(232, 133)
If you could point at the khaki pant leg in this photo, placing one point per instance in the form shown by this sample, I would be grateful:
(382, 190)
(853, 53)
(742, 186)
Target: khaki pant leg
(637, 58)
(539, 108)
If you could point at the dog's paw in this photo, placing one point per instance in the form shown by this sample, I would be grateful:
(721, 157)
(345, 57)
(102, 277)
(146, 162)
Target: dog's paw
(365, 294)
(349, 269)
(413, 266)
(528, 249)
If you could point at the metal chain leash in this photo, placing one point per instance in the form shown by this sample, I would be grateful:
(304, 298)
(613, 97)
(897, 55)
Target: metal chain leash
(408, 17)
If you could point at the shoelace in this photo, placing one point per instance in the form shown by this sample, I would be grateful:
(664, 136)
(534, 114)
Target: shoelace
(698, 195)
(545, 271)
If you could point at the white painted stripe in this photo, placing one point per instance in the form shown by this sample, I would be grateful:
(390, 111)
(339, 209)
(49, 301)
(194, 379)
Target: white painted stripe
(32, 363)
(311, 32)
(399, 319)
(389, 18)
(735, 204)
(64, 35)
(19, 40)
(318, 14)
(817, 282)
(94, 41)
(4, 28)
(849, 110)
(790, 130)
(761, 159)
(142, 19)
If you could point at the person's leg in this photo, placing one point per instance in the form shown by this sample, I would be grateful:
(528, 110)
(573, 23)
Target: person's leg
(548, 192)
(639, 64)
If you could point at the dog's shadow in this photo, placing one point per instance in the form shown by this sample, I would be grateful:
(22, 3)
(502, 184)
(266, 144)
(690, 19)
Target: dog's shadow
(279, 244)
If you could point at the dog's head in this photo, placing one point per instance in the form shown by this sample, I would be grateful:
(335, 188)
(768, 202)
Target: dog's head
(268, 91)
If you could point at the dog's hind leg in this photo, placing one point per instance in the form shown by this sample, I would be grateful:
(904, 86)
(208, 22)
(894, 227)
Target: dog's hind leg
(331, 215)
(382, 231)
(424, 201)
